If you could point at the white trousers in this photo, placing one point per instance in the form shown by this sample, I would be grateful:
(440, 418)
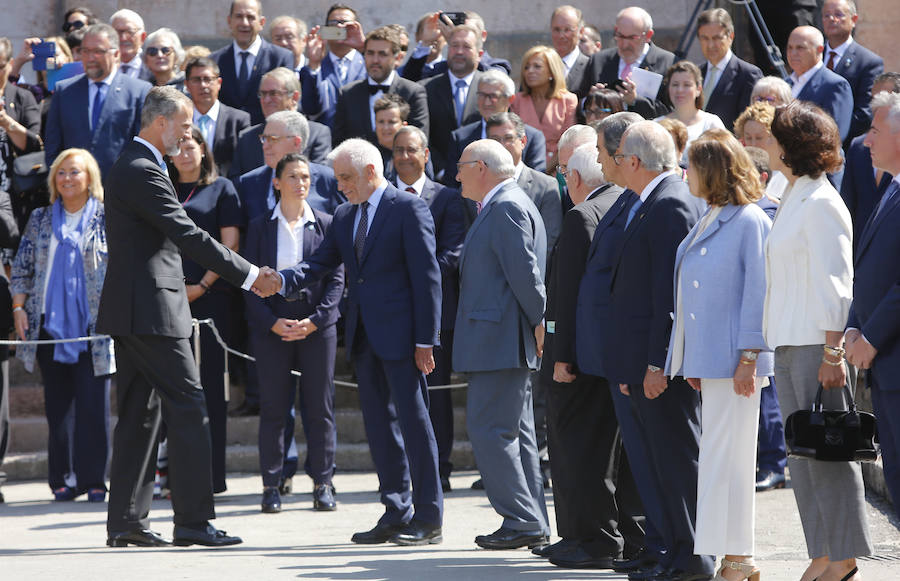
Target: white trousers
(726, 482)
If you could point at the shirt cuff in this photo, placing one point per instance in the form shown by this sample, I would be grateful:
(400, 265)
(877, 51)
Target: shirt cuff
(860, 334)
(421, 346)
(422, 50)
(251, 278)
(281, 290)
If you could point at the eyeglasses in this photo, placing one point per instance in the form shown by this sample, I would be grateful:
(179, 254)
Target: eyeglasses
(620, 156)
(406, 150)
(598, 111)
(96, 51)
(834, 16)
(489, 96)
(157, 50)
(273, 139)
(202, 80)
(128, 31)
(271, 94)
(284, 37)
(460, 164)
(506, 139)
(68, 26)
(619, 36)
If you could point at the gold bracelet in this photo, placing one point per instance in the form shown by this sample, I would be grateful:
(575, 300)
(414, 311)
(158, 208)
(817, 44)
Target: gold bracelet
(835, 351)
(832, 363)
(746, 362)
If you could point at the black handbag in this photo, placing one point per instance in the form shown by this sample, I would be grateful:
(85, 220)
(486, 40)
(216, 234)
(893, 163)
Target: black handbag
(832, 435)
(29, 172)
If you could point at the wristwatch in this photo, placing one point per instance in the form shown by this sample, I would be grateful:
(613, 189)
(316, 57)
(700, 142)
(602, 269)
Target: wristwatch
(750, 355)
(654, 368)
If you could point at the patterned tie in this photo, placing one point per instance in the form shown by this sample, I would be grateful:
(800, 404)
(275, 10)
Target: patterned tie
(99, 99)
(243, 74)
(412, 190)
(709, 85)
(460, 100)
(205, 123)
(359, 242)
(830, 63)
(342, 69)
(479, 206)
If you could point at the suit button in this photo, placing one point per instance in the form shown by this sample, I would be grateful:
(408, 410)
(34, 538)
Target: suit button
(359, 281)
(696, 284)
(693, 317)
(703, 251)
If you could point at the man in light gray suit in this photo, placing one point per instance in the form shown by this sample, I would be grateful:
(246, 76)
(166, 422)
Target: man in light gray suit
(499, 337)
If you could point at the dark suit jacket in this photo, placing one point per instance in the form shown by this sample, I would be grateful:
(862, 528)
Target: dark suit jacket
(319, 301)
(249, 155)
(859, 66)
(731, 94)
(229, 125)
(395, 290)
(22, 107)
(831, 92)
(641, 283)
(320, 90)
(858, 188)
(416, 69)
(604, 68)
(148, 231)
(253, 189)
(68, 124)
(269, 57)
(575, 77)
(544, 192)
(875, 309)
(353, 114)
(442, 113)
(534, 155)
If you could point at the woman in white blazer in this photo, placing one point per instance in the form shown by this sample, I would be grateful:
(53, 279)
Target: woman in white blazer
(717, 343)
(809, 273)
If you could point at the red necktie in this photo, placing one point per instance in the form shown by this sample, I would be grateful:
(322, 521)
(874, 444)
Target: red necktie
(412, 190)
(830, 63)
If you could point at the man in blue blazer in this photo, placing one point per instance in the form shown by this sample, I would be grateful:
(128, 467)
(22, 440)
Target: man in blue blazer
(498, 339)
(385, 240)
(812, 81)
(99, 111)
(668, 410)
(851, 60)
(410, 157)
(247, 58)
(872, 339)
(285, 132)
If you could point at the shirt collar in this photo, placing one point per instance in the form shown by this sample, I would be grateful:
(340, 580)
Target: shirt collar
(388, 81)
(494, 190)
(108, 80)
(375, 198)
(253, 49)
(156, 153)
(306, 217)
(468, 79)
(720, 66)
(136, 62)
(801, 80)
(640, 59)
(213, 113)
(519, 167)
(349, 56)
(569, 59)
(655, 182)
(840, 49)
(417, 185)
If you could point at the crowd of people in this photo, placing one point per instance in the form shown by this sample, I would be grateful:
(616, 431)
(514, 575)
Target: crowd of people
(624, 257)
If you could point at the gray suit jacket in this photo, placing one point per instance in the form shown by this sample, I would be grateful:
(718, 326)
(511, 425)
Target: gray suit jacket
(544, 192)
(502, 295)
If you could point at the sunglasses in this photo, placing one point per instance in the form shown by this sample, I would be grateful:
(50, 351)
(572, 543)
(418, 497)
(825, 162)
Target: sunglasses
(68, 26)
(163, 50)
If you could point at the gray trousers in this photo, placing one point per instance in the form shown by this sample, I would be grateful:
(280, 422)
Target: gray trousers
(830, 495)
(500, 422)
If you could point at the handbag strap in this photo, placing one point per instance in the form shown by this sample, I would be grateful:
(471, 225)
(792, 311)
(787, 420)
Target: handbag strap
(846, 394)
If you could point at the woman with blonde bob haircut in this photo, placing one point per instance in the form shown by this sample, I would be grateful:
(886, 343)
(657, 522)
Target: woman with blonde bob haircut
(543, 101)
(57, 277)
(717, 343)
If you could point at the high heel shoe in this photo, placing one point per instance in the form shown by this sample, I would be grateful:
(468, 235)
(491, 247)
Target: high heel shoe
(749, 570)
(846, 577)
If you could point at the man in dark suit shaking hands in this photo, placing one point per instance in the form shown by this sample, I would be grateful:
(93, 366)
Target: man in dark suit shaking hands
(385, 240)
(145, 309)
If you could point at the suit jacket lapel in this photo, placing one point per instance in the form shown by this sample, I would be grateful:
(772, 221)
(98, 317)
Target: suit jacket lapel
(811, 86)
(271, 250)
(80, 99)
(471, 106)
(312, 234)
(428, 191)
(381, 212)
(725, 79)
(228, 68)
(479, 219)
(636, 220)
(875, 221)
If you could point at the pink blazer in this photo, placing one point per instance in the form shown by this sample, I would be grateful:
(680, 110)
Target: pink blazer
(559, 116)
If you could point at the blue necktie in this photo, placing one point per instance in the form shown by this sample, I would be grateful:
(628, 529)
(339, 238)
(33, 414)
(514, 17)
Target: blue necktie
(359, 242)
(99, 99)
(888, 194)
(243, 74)
(460, 101)
(632, 212)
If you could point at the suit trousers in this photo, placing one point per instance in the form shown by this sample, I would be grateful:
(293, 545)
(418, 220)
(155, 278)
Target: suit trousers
(887, 412)
(671, 425)
(440, 401)
(4, 405)
(771, 454)
(726, 491)
(77, 407)
(393, 396)
(830, 495)
(583, 437)
(157, 377)
(501, 428)
(314, 358)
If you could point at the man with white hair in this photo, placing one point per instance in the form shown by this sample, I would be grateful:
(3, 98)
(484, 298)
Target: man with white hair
(130, 27)
(498, 338)
(640, 303)
(385, 240)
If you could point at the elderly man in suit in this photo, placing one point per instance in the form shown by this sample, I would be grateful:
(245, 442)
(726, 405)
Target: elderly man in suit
(144, 307)
(99, 111)
(641, 300)
(355, 114)
(634, 50)
(566, 27)
(851, 60)
(279, 90)
(289, 32)
(285, 132)
(385, 240)
(812, 81)
(410, 155)
(872, 341)
(727, 80)
(130, 27)
(219, 123)
(499, 338)
(244, 61)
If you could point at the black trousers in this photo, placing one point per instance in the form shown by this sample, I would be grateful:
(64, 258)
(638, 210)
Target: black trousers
(440, 402)
(157, 377)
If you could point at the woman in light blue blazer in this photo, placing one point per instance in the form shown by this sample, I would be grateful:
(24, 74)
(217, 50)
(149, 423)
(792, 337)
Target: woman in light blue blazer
(717, 343)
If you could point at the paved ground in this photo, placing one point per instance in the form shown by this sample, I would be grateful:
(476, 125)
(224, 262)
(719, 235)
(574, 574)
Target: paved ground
(40, 539)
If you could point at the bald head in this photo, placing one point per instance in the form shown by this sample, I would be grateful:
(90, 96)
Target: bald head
(634, 29)
(804, 48)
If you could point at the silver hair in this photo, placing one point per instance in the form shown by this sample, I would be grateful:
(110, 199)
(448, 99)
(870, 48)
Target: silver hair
(576, 136)
(652, 144)
(295, 123)
(302, 28)
(286, 77)
(613, 128)
(170, 34)
(162, 101)
(891, 102)
(584, 161)
(498, 78)
(494, 156)
(129, 16)
(361, 153)
(412, 129)
(103, 29)
(646, 19)
(772, 85)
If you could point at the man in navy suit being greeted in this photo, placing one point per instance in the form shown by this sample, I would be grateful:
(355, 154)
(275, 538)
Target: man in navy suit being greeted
(385, 240)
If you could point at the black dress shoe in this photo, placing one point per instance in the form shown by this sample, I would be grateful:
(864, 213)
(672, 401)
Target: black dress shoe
(286, 486)
(416, 533)
(769, 480)
(445, 484)
(504, 538)
(648, 573)
(208, 537)
(581, 559)
(640, 560)
(271, 500)
(138, 538)
(557, 548)
(323, 497)
(478, 484)
(382, 533)
(245, 410)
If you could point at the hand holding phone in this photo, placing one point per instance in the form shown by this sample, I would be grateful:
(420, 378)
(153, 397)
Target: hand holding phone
(42, 52)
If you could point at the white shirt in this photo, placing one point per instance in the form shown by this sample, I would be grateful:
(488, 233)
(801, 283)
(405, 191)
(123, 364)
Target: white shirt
(289, 242)
(71, 223)
(417, 185)
(519, 167)
(374, 97)
(695, 130)
(645, 193)
(213, 114)
(839, 50)
(134, 65)
(569, 59)
(800, 82)
(637, 63)
(335, 60)
(92, 93)
(466, 79)
(720, 68)
(253, 49)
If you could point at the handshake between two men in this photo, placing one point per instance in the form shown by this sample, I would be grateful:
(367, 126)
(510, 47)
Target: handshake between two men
(267, 283)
